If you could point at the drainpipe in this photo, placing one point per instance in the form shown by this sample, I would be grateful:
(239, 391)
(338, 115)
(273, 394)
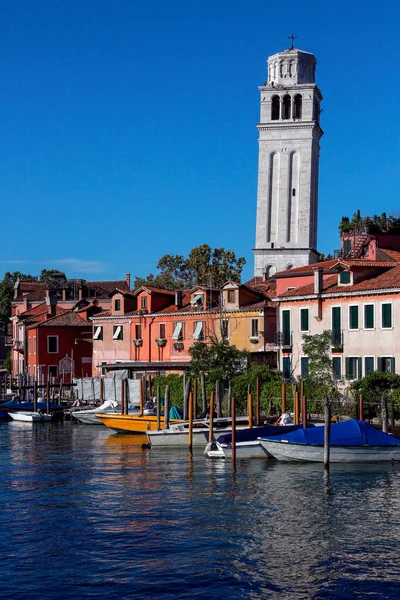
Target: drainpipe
(150, 324)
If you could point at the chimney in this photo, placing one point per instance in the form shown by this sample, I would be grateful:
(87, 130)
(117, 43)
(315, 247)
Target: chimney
(318, 280)
(51, 302)
(128, 280)
(178, 299)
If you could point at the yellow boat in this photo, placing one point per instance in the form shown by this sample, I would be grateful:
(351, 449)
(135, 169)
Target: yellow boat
(132, 423)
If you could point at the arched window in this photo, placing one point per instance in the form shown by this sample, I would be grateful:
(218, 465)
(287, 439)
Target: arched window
(275, 108)
(289, 266)
(297, 107)
(286, 107)
(270, 271)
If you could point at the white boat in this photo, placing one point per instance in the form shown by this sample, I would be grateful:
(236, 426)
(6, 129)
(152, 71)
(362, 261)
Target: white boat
(88, 415)
(248, 444)
(178, 433)
(30, 417)
(352, 441)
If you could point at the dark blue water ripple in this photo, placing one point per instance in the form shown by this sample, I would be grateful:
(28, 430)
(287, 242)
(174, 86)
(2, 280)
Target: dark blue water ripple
(86, 514)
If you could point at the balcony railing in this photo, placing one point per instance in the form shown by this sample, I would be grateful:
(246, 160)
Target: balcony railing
(283, 339)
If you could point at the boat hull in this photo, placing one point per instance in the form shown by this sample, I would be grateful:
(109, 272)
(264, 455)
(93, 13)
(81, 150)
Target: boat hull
(291, 452)
(30, 417)
(131, 423)
(177, 439)
(250, 449)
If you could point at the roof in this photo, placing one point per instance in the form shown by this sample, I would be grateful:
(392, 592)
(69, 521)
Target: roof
(67, 318)
(151, 289)
(36, 290)
(387, 280)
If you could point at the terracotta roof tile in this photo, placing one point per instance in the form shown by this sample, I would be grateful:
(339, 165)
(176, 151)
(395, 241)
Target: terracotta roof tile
(68, 318)
(151, 289)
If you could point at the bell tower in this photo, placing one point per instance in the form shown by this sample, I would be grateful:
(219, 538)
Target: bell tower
(289, 135)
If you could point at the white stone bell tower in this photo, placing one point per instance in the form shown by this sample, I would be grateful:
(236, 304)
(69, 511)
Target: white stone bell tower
(289, 134)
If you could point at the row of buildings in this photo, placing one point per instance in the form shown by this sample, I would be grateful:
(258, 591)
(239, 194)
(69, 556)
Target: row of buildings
(73, 328)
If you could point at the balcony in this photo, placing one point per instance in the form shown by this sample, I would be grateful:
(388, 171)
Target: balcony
(337, 340)
(283, 339)
(18, 345)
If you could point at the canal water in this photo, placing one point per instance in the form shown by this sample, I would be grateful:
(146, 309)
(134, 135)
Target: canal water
(87, 514)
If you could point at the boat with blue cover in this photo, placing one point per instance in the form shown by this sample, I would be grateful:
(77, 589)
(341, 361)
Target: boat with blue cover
(22, 406)
(351, 441)
(248, 443)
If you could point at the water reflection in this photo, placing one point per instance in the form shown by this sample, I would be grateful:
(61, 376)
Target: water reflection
(98, 510)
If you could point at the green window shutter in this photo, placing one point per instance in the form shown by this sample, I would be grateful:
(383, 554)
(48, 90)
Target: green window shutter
(369, 316)
(386, 315)
(348, 371)
(353, 317)
(392, 366)
(368, 365)
(359, 368)
(336, 319)
(344, 277)
(304, 319)
(304, 366)
(379, 363)
(286, 321)
(286, 367)
(337, 367)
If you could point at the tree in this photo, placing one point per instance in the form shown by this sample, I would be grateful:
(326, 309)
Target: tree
(218, 359)
(203, 266)
(320, 377)
(7, 294)
(47, 274)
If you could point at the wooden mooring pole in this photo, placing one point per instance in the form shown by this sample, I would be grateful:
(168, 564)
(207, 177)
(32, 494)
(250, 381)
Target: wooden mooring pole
(166, 407)
(327, 433)
(190, 409)
(283, 398)
(141, 396)
(361, 408)
(250, 409)
(258, 410)
(195, 399)
(296, 408)
(210, 435)
(304, 411)
(233, 413)
(48, 395)
(158, 408)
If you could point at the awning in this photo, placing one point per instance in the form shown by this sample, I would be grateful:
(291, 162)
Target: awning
(117, 332)
(97, 332)
(177, 332)
(198, 332)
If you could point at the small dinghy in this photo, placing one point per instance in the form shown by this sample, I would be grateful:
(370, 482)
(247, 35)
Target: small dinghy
(30, 417)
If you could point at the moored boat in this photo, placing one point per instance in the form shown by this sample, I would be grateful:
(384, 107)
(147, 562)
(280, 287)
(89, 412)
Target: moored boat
(248, 444)
(31, 417)
(88, 416)
(352, 441)
(177, 435)
(132, 423)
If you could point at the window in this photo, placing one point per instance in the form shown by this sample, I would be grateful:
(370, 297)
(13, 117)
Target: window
(336, 325)
(161, 331)
(293, 191)
(297, 107)
(117, 304)
(286, 368)
(231, 296)
(143, 302)
(98, 332)
(225, 328)
(286, 107)
(29, 345)
(198, 299)
(118, 332)
(52, 371)
(304, 366)
(386, 316)
(138, 331)
(353, 317)
(275, 108)
(304, 319)
(52, 344)
(198, 330)
(337, 367)
(386, 364)
(254, 328)
(345, 277)
(368, 365)
(178, 332)
(286, 328)
(369, 316)
(353, 367)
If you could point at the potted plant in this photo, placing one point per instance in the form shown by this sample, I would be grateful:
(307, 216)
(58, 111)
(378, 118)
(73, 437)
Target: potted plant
(178, 346)
(137, 342)
(254, 339)
(161, 342)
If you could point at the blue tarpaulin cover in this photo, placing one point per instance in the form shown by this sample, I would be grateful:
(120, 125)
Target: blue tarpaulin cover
(250, 434)
(175, 412)
(347, 433)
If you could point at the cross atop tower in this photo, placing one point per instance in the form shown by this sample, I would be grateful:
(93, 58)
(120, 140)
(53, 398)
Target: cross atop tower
(292, 37)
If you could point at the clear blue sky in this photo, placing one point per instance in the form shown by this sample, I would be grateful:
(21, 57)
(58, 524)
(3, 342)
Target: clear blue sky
(128, 127)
